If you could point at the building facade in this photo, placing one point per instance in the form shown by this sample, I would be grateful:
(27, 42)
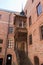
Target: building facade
(21, 35)
(34, 13)
(13, 38)
(7, 38)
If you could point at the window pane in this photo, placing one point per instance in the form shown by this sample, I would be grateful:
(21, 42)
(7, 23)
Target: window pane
(10, 29)
(10, 43)
(39, 9)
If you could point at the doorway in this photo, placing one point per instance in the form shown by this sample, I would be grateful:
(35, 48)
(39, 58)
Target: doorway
(36, 60)
(1, 61)
(9, 59)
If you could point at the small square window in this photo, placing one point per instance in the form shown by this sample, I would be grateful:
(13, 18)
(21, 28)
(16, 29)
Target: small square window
(10, 29)
(0, 49)
(39, 9)
(1, 41)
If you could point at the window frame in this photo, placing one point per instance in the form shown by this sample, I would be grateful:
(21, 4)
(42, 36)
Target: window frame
(10, 44)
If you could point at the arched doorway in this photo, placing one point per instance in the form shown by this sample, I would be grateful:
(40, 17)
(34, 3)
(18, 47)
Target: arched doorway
(36, 60)
(1, 61)
(9, 59)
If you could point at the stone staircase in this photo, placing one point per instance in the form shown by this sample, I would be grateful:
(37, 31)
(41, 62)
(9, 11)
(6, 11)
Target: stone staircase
(23, 58)
(17, 56)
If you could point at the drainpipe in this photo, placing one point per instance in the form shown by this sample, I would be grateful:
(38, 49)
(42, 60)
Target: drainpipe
(7, 39)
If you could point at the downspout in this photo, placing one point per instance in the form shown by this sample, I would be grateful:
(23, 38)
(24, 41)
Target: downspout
(7, 39)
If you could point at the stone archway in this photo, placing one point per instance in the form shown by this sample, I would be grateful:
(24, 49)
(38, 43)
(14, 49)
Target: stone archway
(9, 59)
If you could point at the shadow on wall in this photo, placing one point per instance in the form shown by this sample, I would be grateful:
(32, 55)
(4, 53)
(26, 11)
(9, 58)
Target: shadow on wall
(24, 60)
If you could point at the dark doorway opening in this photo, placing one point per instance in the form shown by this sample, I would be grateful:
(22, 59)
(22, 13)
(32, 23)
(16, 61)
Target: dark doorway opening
(36, 60)
(9, 59)
(1, 61)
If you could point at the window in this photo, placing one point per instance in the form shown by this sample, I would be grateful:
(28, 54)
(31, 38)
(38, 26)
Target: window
(24, 24)
(10, 29)
(39, 9)
(0, 49)
(32, 1)
(1, 41)
(10, 43)
(36, 60)
(20, 24)
(30, 21)
(0, 16)
(26, 12)
(30, 39)
(41, 29)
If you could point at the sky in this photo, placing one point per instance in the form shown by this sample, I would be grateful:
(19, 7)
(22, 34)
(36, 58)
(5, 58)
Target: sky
(13, 5)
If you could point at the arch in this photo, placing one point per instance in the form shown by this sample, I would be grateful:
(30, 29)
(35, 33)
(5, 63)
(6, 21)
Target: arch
(36, 60)
(9, 59)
